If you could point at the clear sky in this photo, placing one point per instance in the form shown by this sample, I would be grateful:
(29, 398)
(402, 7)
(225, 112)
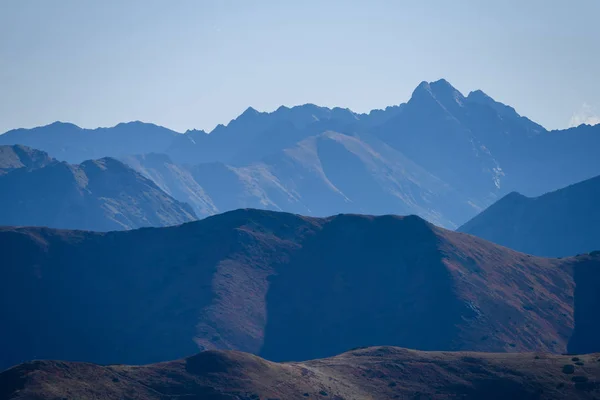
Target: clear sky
(193, 64)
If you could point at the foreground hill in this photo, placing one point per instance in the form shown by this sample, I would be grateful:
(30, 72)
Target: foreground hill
(100, 194)
(561, 223)
(371, 373)
(284, 287)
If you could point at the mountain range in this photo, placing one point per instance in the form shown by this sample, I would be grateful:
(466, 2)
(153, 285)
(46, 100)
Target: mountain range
(368, 373)
(284, 287)
(277, 239)
(557, 224)
(442, 155)
(101, 195)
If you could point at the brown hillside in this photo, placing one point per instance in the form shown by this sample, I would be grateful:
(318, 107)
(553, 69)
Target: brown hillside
(278, 285)
(371, 373)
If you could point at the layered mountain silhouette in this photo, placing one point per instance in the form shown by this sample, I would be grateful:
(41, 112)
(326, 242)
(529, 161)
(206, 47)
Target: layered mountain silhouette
(370, 373)
(284, 287)
(442, 155)
(561, 223)
(68, 142)
(321, 175)
(101, 195)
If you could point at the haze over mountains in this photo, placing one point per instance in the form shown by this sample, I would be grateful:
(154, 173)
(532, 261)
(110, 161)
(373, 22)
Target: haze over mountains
(131, 276)
(252, 280)
(560, 223)
(187, 225)
(101, 195)
(442, 155)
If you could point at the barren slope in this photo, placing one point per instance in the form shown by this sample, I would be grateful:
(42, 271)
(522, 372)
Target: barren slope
(372, 373)
(278, 285)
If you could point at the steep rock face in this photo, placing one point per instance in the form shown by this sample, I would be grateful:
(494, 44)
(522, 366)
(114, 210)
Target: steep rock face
(278, 285)
(561, 223)
(368, 373)
(101, 194)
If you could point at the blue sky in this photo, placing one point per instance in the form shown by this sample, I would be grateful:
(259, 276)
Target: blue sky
(194, 64)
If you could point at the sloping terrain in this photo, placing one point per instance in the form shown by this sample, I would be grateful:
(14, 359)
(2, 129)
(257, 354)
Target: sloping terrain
(442, 155)
(319, 176)
(370, 373)
(278, 285)
(17, 157)
(175, 180)
(561, 223)
(100, 194)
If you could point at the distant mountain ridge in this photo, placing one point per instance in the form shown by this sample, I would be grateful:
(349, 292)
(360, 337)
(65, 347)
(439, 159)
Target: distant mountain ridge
(285, 287)
(321, 175)
(560, 223)
(476, 148)
(68, 142)
(102, 194)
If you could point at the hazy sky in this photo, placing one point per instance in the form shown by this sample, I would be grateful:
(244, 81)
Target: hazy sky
(194, 64)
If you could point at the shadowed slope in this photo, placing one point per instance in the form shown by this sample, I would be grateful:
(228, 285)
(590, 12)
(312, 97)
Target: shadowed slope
(275, 284)
(560, 223)
(587, 303)
(367, 289)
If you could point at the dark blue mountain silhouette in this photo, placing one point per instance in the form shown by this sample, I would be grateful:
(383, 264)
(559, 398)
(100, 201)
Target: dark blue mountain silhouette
(562, 223)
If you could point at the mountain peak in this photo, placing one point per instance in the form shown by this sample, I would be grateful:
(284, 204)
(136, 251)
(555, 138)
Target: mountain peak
(442, 87)
(135, 125)
(18, 156)
(424, 86)
(478, 95)
(440, 90)
(250, 111)
(105, 163)
(131, 123)
(60, 124)
(442, 83)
